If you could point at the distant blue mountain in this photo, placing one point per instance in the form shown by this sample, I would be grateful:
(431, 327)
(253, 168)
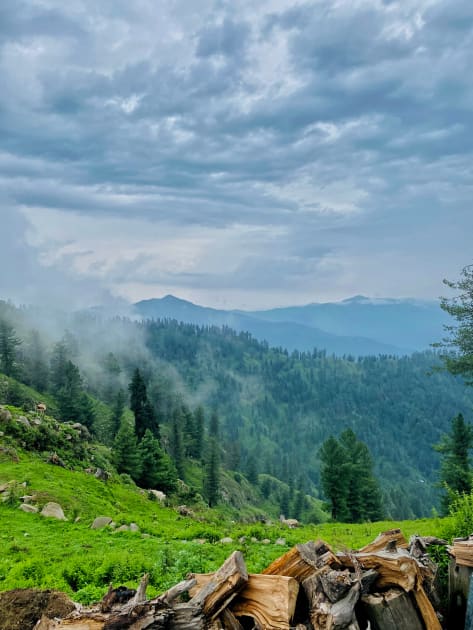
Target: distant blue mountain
(404, 323)
(358, 326)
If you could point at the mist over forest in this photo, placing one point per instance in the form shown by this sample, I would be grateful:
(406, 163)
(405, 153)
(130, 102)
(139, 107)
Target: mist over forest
(275, 408)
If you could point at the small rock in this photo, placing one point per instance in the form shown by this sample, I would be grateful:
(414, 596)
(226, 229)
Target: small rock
(200, 541)
(253, 539)
(280, 541)
(5, 415)
(53, 510)
(145, 535)
(101, 522)
(265, 541)
(28, 498)
(160, 496)
(185, 511)
(227, 540)
(134, 527)
(36, 421)
(28, 508)
(242, 539)
(101, 474)
(122, 528)
(77, 519)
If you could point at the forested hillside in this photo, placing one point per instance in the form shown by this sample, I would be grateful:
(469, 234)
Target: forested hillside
(275, 409)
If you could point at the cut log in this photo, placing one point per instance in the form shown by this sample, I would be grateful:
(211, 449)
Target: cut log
(269, 599)
(462, 550)
(222, 587)
(397, 568)
(186, 616)
(392, 610)
(336, 584)
(326, 614)
(383, 539)
(303, 560)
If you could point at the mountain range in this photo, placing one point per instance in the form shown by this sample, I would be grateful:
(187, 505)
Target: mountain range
(358, 326)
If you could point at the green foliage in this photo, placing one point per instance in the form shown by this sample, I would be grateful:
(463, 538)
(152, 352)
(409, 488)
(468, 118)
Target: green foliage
(458, 346)
(117, 411)
(126, 454)
(455, 470)
(460, 521)
(335, 477)
(348, 481)
(212, 465)
(9, 343)
(145, 417)
(74, 404)
(157, 469)
(176, 444)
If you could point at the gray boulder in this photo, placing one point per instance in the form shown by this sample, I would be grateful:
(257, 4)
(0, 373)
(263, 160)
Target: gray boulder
(53, 510)
(100, 522)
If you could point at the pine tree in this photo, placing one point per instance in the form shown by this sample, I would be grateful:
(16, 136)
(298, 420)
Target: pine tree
(455, 470)
(117, 412)
(348, 480)
(8, 345)
(335, 476)
(158, 470)
(59, 359)
(112, 370)
(176, 445)
(74, 404)
(252, 470)
(126, 454)
(458, 356)
(212, 464)
(36, 371)
(199, 424)
(145, 417)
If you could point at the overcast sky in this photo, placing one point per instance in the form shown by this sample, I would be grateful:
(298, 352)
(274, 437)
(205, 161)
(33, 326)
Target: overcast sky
(232, 152)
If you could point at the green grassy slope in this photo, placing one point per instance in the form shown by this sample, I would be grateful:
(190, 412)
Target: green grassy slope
(72, 557)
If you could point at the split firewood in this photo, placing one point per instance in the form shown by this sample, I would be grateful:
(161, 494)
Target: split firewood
(385, 538)
(398, 568)
(269, 599)
(391, 610)
(332, 607)
(222, 587)
(303, 560)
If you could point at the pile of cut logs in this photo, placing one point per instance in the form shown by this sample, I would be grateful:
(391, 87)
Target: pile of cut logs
(387, 585)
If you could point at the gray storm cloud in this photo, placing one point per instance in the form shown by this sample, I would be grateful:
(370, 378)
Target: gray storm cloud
(278, 153)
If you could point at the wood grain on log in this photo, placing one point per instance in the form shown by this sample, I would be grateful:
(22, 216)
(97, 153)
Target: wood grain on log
(380, 542)
(303, 560)
(392, 610)
(269, 599)
(224, 585)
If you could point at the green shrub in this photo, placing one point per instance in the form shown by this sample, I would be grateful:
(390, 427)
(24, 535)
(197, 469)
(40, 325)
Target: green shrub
(460, 522)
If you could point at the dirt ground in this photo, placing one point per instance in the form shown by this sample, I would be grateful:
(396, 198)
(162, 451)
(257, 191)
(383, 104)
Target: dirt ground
(21, 609)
